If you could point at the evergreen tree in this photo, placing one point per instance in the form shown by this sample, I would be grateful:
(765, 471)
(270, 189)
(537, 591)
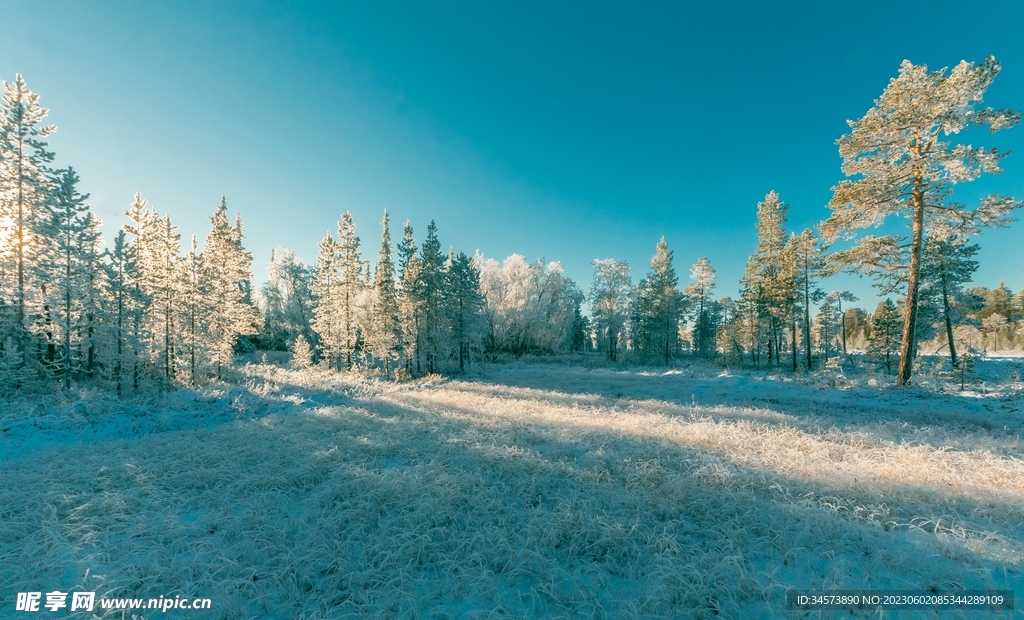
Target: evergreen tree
(193, 310)
(947, 263)
(768, 287)
(885, 333)
(809, 263)
(827, 324)
(409, 298)
(658, 307)
(225, 269)
(386, 331)
(302, 354)
(23, 194)
(905, 168)
(143, 226)
(126, 306)
(327, 299)
(702, 276)
(433, 324)
(73, 242)
(465, 306)
(164, 292)
(350, 283)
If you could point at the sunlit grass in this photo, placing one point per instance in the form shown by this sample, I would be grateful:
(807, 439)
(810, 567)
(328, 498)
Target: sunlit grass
(315, 496)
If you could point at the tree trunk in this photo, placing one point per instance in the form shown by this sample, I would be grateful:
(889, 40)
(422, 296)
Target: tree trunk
(807, 313)
(843, 320)
(794, 340)
(949, 323)
(913, 285)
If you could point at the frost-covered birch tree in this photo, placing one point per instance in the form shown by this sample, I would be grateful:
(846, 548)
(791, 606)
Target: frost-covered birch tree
(531, 307)
(903, 164)
(286, 300)
(609, 302)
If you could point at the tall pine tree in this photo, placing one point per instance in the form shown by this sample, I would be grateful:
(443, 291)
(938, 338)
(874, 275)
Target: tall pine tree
(386, 330)
(225, 269)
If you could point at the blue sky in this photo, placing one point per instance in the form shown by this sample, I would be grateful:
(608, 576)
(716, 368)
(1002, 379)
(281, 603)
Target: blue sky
(573, 131)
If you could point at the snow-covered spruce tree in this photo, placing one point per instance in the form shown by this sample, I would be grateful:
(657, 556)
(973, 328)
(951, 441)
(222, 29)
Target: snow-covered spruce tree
(302, 353)
(273, 333)
(658, 308)
(143, 226)
(351, 285)
(124, 314)
(386, 328)
(67, 269)
(192, 308)
(225, 269)
(609, 302)
(885, 333)
(702, 282)
(95, 301)
(23, 193)
(903, 166)
(165, 292)
(730, 341)
(827, 325)
(409, 298)
(326, 301)
(465, 308)
(433, 319)
(809, 263)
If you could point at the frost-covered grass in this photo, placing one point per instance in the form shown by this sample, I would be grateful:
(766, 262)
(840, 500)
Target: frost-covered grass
(519, 491)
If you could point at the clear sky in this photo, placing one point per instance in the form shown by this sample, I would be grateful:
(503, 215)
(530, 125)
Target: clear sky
(568, 131)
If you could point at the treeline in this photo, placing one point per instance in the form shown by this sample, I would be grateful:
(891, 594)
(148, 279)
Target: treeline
(140, 312)
(133, 314)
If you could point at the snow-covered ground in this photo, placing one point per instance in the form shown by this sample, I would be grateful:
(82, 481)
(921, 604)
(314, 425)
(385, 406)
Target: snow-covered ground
(523, 490)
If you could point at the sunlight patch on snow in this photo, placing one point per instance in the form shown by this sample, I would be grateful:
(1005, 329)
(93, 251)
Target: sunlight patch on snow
(525, 492)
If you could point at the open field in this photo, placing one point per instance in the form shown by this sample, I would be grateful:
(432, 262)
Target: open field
(518, 491)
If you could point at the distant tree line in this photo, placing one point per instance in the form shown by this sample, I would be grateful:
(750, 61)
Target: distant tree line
(140, 312)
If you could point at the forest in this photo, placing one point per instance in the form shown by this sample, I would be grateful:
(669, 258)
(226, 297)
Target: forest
(149, 309)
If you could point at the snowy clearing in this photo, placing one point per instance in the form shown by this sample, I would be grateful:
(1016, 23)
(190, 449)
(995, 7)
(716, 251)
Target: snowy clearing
(520, 491)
